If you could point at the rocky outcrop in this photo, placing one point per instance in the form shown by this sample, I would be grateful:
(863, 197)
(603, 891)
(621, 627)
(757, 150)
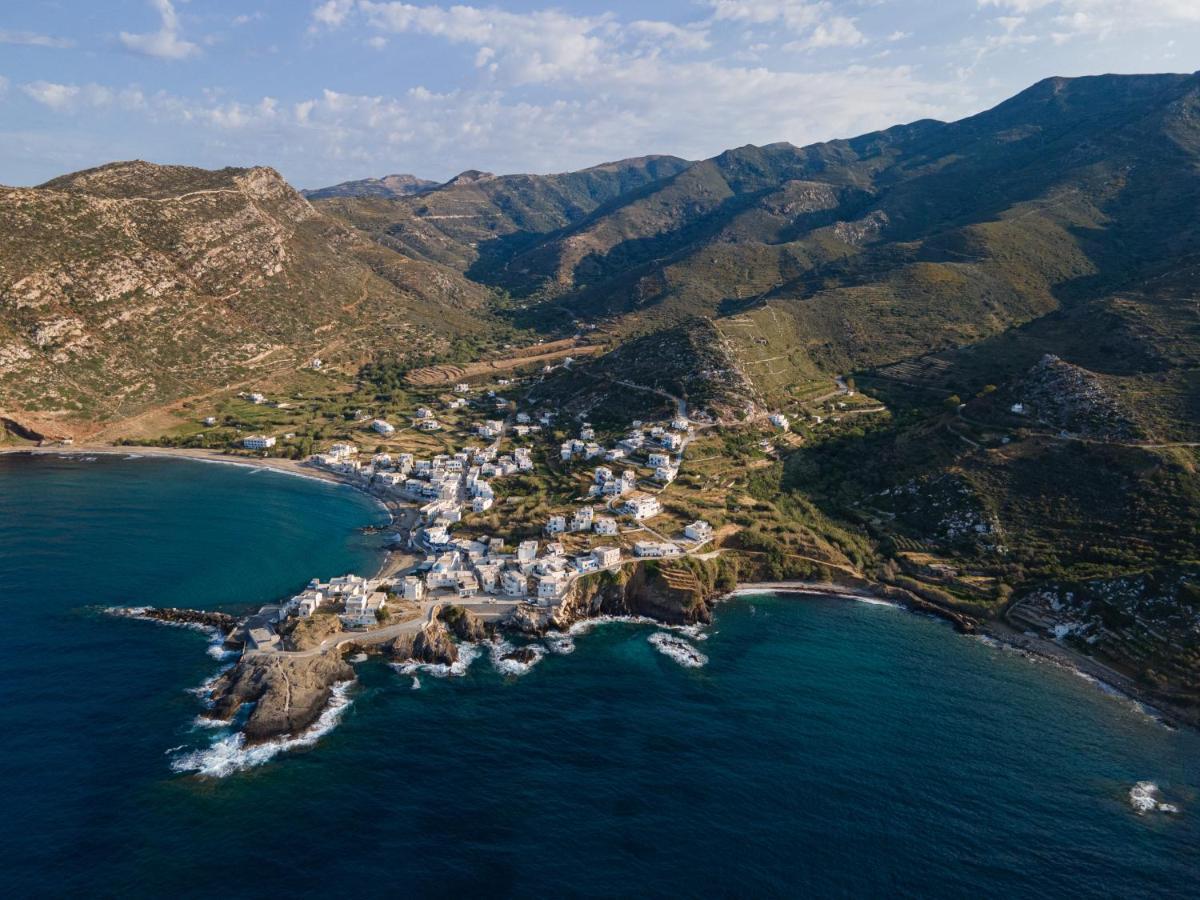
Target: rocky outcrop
(288, 692)
(464, 624)
(677, 592)
(222, 622)
(432, 644)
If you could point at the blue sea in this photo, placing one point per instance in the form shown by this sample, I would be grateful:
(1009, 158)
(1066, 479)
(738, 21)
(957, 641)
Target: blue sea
(826, 747)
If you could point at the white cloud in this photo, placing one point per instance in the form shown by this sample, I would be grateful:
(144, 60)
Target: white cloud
(167, 42)
(670, 35)
(33, 39)
(1070, 19)
(835, 32)
(48, 93)
(332, 13)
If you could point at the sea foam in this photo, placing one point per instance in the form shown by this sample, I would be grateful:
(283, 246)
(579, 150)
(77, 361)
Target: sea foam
(677, 649)
(497, 649)
(467, 654)
(231, 754)
(1144, 798)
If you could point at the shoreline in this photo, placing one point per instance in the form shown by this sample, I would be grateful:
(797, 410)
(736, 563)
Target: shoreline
(1106, 679)
(281, 466)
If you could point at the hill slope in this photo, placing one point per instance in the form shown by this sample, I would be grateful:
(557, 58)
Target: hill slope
(131, 285)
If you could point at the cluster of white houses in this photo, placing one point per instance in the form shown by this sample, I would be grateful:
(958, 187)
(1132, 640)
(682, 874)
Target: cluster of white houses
(446, 485)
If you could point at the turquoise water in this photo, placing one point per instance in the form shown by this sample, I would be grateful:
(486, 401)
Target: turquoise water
(827, 748)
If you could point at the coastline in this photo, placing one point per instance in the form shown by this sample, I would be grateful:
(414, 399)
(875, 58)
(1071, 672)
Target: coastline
(1105, 678)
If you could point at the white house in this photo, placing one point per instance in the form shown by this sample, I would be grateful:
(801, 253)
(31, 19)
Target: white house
(383, 427)
(258, 442)
(413, 588)
(585, 564)
(642, 506)
(342, 451)
(210, 421)
(606, 556)
(257, 399)
(1017, 409)
(424, 412)
(462, 387)
(605, 525)
(481, 504)
(699, 531)
(779, 420)
(653, 549)
(551, 587)
(587, 432)
(582, 521)
(556, 525)
(680, 423)
(671, 441)
(658, 460)
(428, 425)
(513, 583)
(527, 551)
(665, 474)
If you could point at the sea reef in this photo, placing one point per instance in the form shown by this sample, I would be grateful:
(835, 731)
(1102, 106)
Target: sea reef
(288, 692)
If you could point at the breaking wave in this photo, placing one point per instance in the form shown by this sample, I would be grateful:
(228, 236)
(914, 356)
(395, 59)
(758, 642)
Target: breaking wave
(467, 654)
(231, 754)
(1144, 798)
(560, 643)
(498, 649)
(677, 649)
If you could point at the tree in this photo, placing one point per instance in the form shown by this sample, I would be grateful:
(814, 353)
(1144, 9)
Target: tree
(953, 402)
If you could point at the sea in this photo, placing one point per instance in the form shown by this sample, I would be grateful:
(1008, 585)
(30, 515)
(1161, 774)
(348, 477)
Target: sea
(802, 746)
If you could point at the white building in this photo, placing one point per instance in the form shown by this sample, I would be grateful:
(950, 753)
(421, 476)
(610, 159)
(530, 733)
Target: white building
(423, 412)
(606, 556)
(209, 421)
(551, 587)
(654, 550)
(605, 525)
(680, 423)
(658, 460)
(665, 474)
(642, 506)
(413, 588)
(257, 399)
(585, 564)
(258, 442)
(481, 504)
(556, 525)
(699, 531)
(462, 387)
(582, 521)
(671, 441)
(779, 420)
(383, 427)
(513, 583)
(527, 551)
(428, 425)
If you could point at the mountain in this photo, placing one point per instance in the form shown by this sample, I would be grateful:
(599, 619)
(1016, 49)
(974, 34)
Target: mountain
(478, 217)
(389, 186)
(133, 285)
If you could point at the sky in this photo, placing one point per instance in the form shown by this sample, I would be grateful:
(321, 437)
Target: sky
(331, 90)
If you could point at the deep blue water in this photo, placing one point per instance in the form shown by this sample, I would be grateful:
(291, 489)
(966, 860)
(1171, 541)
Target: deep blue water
(828, 747)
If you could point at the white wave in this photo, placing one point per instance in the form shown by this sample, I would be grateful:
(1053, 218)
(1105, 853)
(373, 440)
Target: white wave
(498, 649)
(467, 654)
(135, 456)
(208, 723)
(173, 749)
(677, 649)
(231, 754)
(560, 643)
(583, 626)
(875, 601)
(1144, 798)
(416, 684)
(358, 657)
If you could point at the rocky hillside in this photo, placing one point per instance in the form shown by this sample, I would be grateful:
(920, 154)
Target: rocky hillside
(132, 285)
(388, 187)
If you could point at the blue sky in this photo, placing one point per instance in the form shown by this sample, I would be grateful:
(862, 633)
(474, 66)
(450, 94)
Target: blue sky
(336, 89)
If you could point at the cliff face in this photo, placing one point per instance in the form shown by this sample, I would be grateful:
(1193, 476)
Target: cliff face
(432, 644)
(676, 593)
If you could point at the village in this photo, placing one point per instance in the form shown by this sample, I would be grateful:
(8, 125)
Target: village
(490, 573)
